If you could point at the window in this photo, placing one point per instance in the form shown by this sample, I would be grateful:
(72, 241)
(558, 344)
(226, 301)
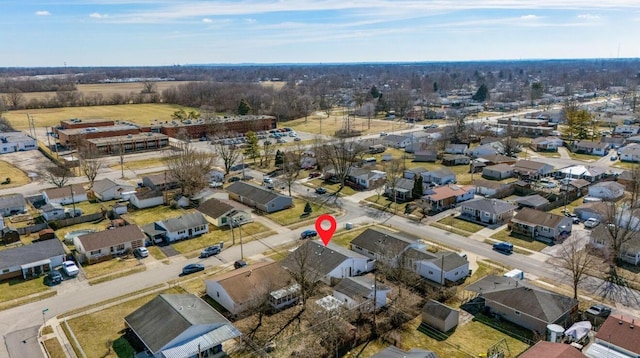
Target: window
(5, 271)
(517, 313)
(120, 247)
(217, 294)
(430, 272)
(96, 252)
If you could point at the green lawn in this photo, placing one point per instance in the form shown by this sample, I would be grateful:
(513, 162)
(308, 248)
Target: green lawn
(383, 203)
(147, 216)
(215, 235)
(343, 237)
(109, 267)
(18, 288)
(519, 240)
(625, 165)
(100, 333)
(331, 188)
(292, 216)
(461, 224)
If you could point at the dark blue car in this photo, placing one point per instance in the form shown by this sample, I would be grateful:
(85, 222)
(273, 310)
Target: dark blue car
(308, 234)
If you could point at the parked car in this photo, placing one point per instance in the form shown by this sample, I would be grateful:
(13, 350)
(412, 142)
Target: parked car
(314, 175)
(308, 234)
(321, 190)
(281, 140)
(233, 179)
(614, 158)
(297, 139)
(599, 310)
(141, 252)
(210, 251)
(267, 180)
(383, 134)
(54, 277)
(70, 269)
(503, 247)
(591, 223)
(239, 264)
(192, 268)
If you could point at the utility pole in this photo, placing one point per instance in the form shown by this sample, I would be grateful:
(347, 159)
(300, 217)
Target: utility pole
(230, 222)
(241, 246)
(73, 201)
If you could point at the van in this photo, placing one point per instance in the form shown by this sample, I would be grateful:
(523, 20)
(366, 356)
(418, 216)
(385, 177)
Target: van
(504, 247)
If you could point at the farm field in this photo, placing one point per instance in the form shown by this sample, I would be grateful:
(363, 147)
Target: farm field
(108, 89)
(137, 113)
(318, 123)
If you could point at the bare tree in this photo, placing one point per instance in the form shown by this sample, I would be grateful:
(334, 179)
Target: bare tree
(576, 261)
(301, 264)
(395, 171)
(228, 153)
(90, 163)
(57, 175)
(268, 151)
(190, 169)
(148, 87)
(342, 155)
(291, 166)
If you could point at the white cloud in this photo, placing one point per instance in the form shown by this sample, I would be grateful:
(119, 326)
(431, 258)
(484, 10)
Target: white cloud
(97, 15)
(208, 21)
(251, 21)
(588, 17)
(43, 13)
(529, 17)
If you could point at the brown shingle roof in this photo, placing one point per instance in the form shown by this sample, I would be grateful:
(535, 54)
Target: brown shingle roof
(449, 191)
(254, 280)
(107, 238)
(55, 193)
(538, 217)
(214, 208)
(621, 335)
(552, 350)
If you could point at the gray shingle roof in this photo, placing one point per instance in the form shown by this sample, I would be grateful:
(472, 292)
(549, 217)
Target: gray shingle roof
(395, 352)
(31, 253)
(12, 200)
(167, 316)
(493, 206)
(55, 193)
(437, 309)
(100, 186)
(214, 208)
(318, 258)
(358, 287)
(184, 222)
(532, 200)
(544, 305)
(537, 217)
(256, 193)
(382, 241)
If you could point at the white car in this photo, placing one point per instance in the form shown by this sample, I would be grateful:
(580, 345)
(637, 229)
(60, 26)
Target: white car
(70, 269)
(591, 223)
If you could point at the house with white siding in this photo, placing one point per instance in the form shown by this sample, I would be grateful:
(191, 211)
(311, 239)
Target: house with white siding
(69, 194)
(182, 227)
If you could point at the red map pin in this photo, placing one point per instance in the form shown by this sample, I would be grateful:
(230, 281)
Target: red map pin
(326, 234)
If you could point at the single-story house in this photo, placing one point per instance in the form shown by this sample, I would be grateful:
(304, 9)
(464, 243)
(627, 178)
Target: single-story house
(492, 159)
(383, 245)
(482, 150)
(146, 198)
(397, 141)
(497, 172)
(107, 189)
(12, 204)
(182, 227)
(439, 316)
(403, 189)
(427, 155)
(633, 139)
(318, 262)
(52, 211)
(630, 153)
(608, 190)
(439, 176)
(546, 144)
(490, 188)
(162, 181)
(525, 305)
(596, 210)
(103, 245)
(448, 196)
(244, 289)
(487, 211)
(69, 194)
(552, 350)
(629, 179)
(365, 178)
(192, 328)
(530, 168)
(259, 197)
(452, 148)
(355, 291)
(614, 142)
(455, 159)
(413, 172)
(591, 147)
(440, 267)
(218, 212)
(535, 201)
(540, 225)
(617, 337)
(626, 130)
(588, 173)
(33, 260)
(629, 250)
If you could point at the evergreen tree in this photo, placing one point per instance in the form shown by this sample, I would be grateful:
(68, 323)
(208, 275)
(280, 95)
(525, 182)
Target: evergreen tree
(307, 208)
(482, 94)
(244, 108)
(417, 187)
(374, 92)
(279, 158)
(435, 86)
(253, 147)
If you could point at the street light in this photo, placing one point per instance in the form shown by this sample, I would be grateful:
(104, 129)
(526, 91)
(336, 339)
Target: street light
(44, 312)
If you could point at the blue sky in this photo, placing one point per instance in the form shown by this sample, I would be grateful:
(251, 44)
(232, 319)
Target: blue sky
(141, 32)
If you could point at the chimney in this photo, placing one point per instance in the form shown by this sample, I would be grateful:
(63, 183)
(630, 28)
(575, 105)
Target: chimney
(633, 321)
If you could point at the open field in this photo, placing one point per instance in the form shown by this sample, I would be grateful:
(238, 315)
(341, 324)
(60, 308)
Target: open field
(107, 90)
(141, 163)
(318, 123)
(17, 176)
(100, 333)
(137, 113)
